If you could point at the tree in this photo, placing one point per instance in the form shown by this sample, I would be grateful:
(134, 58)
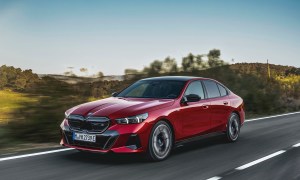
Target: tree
(16, 79)
(100, 74)
(214, 58)
(84, 70)
(214, 53)
(70, 72)
(3, 80)
(146, 70)
(155, 67)
(31, 78)
(200, 63)
(188, 63)
(169, 65)
(11, 75)
(131, 71)
(20, 82)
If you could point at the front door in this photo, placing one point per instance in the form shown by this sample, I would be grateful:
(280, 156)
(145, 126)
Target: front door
(195, 116)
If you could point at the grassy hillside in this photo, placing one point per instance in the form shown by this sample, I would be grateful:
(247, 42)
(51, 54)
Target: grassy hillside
(10, 103)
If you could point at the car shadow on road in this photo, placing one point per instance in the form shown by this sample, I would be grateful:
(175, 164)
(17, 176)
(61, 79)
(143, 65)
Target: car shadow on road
(119, 159)
(200, 144)
(109, 158)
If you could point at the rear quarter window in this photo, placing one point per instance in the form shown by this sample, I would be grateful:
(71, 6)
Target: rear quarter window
(223, 91)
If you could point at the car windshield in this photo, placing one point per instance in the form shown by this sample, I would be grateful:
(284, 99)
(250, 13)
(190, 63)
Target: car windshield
(161, 89)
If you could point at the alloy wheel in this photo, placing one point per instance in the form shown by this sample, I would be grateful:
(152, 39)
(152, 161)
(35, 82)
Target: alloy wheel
(161, 141)
(234, 127)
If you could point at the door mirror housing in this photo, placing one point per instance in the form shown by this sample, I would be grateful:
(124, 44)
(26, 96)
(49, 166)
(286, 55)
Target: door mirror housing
(191, 98)
(114, 94)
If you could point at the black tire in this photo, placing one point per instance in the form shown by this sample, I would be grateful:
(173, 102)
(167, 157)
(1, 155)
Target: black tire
(233, 127)
(160, 142)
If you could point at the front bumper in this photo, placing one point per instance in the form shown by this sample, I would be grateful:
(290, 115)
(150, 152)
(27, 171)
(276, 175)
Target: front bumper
(132, 138)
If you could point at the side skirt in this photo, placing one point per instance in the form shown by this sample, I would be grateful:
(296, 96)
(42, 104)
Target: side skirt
(196, 138)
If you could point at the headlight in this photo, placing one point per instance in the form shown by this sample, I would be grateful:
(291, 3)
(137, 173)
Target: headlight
(63, 124)
(133, 119)
(66, 114)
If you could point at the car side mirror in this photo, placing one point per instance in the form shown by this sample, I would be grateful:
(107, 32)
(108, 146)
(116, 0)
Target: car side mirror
(191, 98)
(114, 94)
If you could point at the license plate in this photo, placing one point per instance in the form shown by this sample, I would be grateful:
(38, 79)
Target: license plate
(84, 137)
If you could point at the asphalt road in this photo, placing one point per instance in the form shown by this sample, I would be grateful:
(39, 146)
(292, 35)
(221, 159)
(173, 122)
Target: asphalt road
(204, 159)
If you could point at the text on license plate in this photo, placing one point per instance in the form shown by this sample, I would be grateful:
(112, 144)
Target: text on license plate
(84, 137)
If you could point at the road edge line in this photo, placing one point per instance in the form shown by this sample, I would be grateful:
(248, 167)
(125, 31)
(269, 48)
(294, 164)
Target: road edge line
(215, 178)
(273, 116)
(34, 154)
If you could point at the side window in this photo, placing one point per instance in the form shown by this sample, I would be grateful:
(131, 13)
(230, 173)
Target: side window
(195, 87)
(212, 89)
(223, 91)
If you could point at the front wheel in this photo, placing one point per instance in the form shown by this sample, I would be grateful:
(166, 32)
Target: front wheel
(160, 141)
(233, 128)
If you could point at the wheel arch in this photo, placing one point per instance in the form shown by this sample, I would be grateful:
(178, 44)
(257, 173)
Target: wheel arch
(171, 126)
(236, 112)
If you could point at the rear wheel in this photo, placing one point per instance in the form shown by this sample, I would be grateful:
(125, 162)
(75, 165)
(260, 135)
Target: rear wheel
(233, 128)
(160, 142)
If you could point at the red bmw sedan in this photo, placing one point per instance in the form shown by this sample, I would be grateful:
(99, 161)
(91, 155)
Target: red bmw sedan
(153, 115)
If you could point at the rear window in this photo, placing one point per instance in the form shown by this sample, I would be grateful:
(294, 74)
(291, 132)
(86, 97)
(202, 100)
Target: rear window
(212, 89)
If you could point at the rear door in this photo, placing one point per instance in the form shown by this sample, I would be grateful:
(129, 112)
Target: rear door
(220, 105)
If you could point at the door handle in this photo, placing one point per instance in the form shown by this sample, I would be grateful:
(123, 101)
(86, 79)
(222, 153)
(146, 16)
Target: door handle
(205, 106)
(225, 103)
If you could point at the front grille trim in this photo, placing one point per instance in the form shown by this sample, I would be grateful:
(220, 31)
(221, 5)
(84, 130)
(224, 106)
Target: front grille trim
(87, 125)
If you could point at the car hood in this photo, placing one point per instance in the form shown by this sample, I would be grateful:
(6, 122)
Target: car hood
(116, 107)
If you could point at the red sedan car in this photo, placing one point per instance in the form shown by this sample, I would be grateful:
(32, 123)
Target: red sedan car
(153, 115)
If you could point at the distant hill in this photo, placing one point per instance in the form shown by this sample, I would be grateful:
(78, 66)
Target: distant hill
(80, 79)
(16, 78)
(261, 68)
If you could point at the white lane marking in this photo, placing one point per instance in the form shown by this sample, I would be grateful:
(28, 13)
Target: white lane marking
(260, 160)
(296, 145)
(215, 178)
(34, 154)
(279, 115)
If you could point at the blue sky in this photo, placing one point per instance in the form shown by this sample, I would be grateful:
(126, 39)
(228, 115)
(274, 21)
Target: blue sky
(109, 36)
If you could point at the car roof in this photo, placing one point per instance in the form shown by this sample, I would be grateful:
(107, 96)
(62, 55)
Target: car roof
(174, 78)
